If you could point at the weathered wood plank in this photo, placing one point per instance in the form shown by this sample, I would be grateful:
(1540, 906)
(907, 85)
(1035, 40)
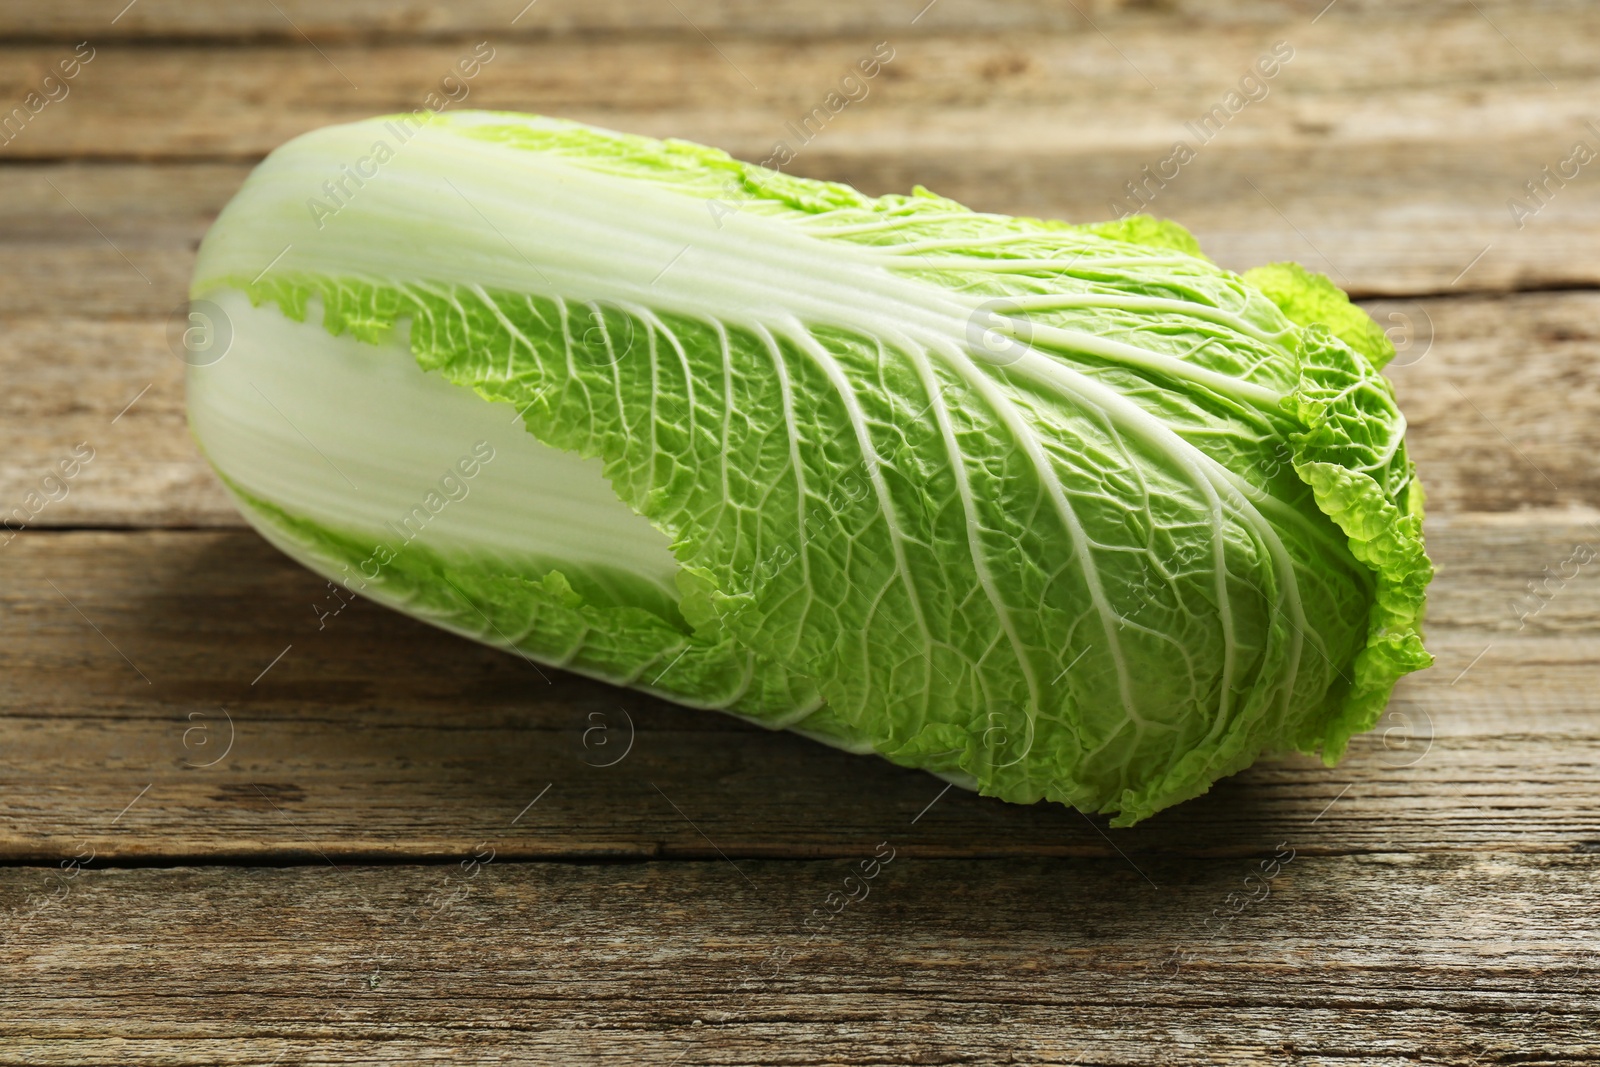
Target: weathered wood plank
(111, 391)
(1502, 405)
(1376, 155)
(68, 378)
(1440, 905)
(1369, 959)
(1337, 82)
(380, 737)
(368, 19)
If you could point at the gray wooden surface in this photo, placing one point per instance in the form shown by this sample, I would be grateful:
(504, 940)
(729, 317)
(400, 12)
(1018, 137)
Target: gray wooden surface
(395, 846)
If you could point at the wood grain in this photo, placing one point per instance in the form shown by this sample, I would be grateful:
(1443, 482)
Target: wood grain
(1481, 445)
(140, 101)
(1376, 156)
(1444, 959)
(377, 736)
(279, 822)
(296, 20)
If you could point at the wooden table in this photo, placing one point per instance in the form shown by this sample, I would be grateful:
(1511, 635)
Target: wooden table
(229, 835)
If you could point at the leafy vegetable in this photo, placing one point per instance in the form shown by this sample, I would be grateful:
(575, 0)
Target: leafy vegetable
(1049, 510)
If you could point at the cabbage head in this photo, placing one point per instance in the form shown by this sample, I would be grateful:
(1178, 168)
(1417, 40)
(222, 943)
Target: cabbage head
(1049, 510)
